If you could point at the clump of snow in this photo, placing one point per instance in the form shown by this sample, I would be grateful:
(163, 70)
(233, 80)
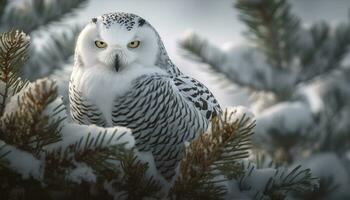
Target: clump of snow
(27, 165)
(252, 184)
(310, 94)
(147, 157)
(22, 162)
(288, 117)
(234, 191)
(72, 132)
(258, 179)
(236, 113)
(262, 100)
(328, 165)
(347, 155)
(12, 104)
(82, 173)
(205, 50)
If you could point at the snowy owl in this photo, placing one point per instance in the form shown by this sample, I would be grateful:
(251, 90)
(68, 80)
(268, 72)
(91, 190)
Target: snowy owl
(122, 76)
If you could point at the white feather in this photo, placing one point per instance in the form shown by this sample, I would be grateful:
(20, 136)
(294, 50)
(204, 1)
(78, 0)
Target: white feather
(102, 87)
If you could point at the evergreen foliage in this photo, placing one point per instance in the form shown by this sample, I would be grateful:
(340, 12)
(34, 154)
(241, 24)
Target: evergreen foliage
(29, 127)
(211, 155)
(37, 160)
(298, 80)
(43, 20)
(43, 155)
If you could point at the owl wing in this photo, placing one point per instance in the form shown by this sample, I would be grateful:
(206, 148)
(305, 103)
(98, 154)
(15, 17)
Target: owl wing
(161, 120)
(198, 95)
(82, 111)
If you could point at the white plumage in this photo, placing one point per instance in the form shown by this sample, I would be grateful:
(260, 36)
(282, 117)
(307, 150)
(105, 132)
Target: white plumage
(123, 76)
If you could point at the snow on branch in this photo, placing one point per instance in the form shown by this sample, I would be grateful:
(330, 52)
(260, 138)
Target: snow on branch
(284, 55)
(68, 159)
(214, 154)
(243, 65)
(13, 54)
(22, 162)
(56, 52)
(333, 175)
(286, 117)
(277, 183)
(24, 123)
(273, 27)
(2, 8)
(31, 15)
(322, 49)
(35, 130)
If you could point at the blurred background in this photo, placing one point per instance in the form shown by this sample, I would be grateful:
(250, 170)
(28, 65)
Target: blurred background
(216, 20)
(287, 60)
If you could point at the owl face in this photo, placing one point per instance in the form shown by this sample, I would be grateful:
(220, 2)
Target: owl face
(118, 42)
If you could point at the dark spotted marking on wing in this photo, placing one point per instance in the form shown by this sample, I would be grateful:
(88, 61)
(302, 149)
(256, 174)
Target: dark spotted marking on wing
(160, 118)
(199, 95)
(82, 111)
(162, 111)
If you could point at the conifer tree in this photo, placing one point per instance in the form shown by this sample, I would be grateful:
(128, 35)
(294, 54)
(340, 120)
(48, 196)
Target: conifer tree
(52, 40)
(44, 155)
(299, 86)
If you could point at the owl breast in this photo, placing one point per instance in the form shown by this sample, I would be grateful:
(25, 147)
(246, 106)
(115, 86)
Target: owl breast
(159, 114)
(100, 86)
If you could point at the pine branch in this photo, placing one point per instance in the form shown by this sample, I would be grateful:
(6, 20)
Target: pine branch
(279, 183)
(326, 186)
(134, 184)
(3, 4)
(39, 13)
(272, 27)
(296, 180)
(27, 127)
(13, 186)
(112, 164)
(246, 60)
(277, 32)
(289, 54)
(33, 122)
(2, 156)
(211, 155)
(96, 152)
(20, 174)
(201, 50)
(55, 53)
(13, 54)
(327, 50)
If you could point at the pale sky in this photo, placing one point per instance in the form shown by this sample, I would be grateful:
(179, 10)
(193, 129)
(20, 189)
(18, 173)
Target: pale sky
(216, 20)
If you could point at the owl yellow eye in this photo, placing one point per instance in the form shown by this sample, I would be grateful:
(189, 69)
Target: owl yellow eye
(100, 44)
(134, 44)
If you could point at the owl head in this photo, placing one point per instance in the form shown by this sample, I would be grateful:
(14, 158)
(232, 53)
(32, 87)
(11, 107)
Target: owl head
(118, 42)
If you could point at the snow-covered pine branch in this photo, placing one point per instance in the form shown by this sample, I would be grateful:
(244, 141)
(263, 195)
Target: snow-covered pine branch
(243, 65)
(44, 154)
(300, 78)
(214, 158)
(54, 54)
(30, 16)
(41, 147)
(285, 54)
(13, 54)
(52, 46)
(2, 8)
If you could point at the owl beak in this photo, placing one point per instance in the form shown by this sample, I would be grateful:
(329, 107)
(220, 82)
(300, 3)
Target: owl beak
(116, 63)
